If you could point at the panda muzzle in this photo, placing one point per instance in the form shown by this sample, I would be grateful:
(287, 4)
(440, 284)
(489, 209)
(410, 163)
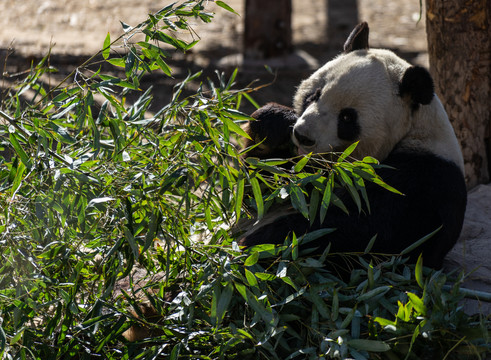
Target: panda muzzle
(302, 140)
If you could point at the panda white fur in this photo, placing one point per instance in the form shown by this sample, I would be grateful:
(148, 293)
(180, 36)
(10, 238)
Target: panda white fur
(374, 97)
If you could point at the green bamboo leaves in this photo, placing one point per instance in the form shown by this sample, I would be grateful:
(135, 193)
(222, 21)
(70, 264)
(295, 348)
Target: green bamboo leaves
(351, 175)
(113, 216)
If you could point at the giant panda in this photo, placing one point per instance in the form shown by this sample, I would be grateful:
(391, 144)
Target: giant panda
(375, 97)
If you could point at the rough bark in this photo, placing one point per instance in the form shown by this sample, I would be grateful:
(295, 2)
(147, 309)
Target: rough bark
(268, 29)
(459, 44)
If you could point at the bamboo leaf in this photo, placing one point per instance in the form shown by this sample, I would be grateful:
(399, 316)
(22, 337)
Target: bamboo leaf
(418, 271)
(320, 304)
(326, 198)
(234, 126)
(298, 200)
(336, 201)
(252, 300)
(163, 66)
(224, 302)
(370, 295)
(370, 160)
(314, 235)
(419, 242)
(265, 276)
(251, 279)
(370, 244)
(251, 100)
(301, 164)
(314, 205)
(232, 79)
(18, 178)
(99, 201)
(267, 165)
(152, 231)
(418, 303)
(208, 221)
(226, 7)
(369, 345)
(239, 195)
(347, 320)
(348, 183)
(119, 62)
(282, 270)
(191, 44)
(214, 305)
(384, 322)
(335, 306)
(131, 241)
(294, 247)
(348, 152)
(360, 186)
(161, 36)
(19, 150)
(291, 297)
(106, 47)
(252, 259)
(256, 190)
(126, 27)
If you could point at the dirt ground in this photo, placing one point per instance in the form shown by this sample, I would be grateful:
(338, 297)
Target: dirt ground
(76, 29)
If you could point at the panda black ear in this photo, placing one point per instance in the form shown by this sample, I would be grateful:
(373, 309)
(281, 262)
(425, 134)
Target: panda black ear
(358, 39)
(417, 83)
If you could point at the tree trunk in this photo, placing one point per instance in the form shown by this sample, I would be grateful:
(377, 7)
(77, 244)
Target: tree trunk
(459, 45)
(342, 17)
(268, 29)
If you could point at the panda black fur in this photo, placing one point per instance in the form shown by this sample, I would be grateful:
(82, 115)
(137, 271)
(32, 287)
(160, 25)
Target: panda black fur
(374, 97)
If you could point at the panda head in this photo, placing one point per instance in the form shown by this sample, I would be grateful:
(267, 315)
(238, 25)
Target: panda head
(374, 97)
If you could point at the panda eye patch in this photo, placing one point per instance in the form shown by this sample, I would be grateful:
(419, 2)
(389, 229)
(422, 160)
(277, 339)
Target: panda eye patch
(348, 115)
(348, 126)
(311, 98)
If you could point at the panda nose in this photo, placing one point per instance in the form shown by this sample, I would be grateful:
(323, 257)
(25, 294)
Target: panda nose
(302, 139)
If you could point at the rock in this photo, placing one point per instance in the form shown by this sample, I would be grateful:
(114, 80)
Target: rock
(472, 253)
